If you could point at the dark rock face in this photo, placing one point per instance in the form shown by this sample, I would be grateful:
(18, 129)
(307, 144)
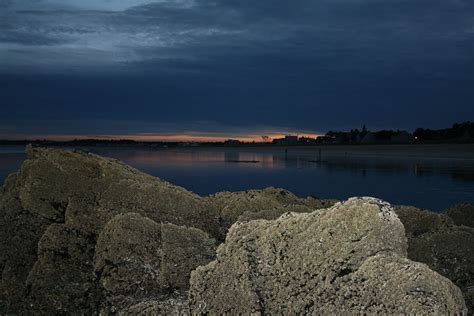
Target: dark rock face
(349, 258)
(264, 202)
(61, 280)
(20, 232)
(462, 214)
(446, 248)
(53, 210)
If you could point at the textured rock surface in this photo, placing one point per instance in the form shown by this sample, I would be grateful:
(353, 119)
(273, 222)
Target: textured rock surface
(20, 232)
(83, 234)
(76, 193)
(61, 279)
(128, 259)
(183, 250)
(234, 204)
(462, 214)
(173, 305)
(273, 213)
(138, 259)
(350, 257)
(446, 248)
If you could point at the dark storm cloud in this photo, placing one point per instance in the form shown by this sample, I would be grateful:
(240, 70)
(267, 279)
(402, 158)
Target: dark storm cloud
(306, 65)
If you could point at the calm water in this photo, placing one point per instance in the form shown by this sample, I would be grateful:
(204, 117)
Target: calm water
(429, 183)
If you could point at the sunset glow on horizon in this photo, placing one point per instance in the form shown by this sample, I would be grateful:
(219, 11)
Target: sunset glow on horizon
(163, 138)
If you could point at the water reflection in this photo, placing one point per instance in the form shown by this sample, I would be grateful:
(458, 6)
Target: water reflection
(459, 170)
(429, 183)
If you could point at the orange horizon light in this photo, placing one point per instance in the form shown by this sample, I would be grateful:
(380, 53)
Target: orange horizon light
(164, 138)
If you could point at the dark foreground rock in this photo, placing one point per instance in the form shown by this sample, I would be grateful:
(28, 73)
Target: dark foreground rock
(351, 257)
(52, 212)
(446, 248)
(462, 214)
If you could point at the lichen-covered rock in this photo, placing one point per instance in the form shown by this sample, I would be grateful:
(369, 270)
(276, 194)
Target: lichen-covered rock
(80, 192)
(350, 257)
(234, 204)
(138, 259)
(446, 248)
(462, 214)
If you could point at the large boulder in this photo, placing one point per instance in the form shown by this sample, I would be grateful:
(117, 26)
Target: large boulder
(446, 248)
(234, 204)
(137, 259)
(78, 193)
(348, 258)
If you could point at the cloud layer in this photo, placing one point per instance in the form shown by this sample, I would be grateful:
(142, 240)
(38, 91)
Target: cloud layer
(308, 65)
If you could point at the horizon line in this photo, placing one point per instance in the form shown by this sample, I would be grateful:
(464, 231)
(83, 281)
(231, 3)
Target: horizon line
(158, 138)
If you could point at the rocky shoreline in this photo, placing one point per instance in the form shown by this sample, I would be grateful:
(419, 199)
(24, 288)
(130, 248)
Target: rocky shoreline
(83, 234)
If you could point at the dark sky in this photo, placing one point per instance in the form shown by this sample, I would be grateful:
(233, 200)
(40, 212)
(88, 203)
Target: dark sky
(233, 67)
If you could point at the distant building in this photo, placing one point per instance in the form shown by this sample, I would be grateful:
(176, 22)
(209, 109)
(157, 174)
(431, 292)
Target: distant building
(291, 140)
(288, 140)
(232, 142)
(325, 139)
(306, 140)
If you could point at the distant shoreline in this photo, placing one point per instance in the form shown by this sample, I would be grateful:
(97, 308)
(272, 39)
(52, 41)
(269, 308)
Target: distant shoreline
(426, 151)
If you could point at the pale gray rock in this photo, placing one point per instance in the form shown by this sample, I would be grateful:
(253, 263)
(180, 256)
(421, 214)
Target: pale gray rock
(348, 258)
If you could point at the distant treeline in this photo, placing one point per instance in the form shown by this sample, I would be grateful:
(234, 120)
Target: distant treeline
(458, 133)
(90, 143)
(111, 143)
